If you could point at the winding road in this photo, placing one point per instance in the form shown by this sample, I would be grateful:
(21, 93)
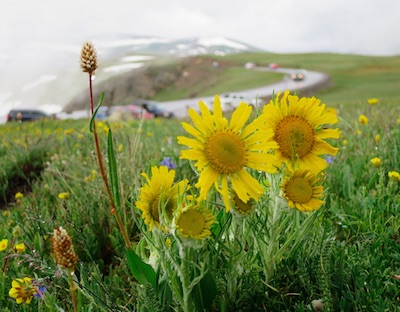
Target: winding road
(311, 80)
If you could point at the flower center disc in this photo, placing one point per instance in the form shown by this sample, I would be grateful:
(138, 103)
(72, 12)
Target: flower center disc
(242, 206)
(226, 152)
(295, 136)
(191, 222)
(299, 190)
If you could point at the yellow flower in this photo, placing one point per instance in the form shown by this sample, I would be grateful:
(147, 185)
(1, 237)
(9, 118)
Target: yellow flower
(301, 191)
(69, 131)
(158, 197)
(363, 120)
(299, 129)
(3, 244)
(20, 248)
(19, 195)
(242, 208)
(373, 101)
(194, 221)
(120, 148)
(394, 175)
(63, 195)
(223, 150)
(377, 138)
(22, 290)
(376, 161)
(345, 142)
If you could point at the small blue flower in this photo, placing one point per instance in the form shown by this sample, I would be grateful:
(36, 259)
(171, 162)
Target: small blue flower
(168, 163)
(330, 159)
(40, 290)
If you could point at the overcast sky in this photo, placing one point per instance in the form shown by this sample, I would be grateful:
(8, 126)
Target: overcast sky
(283, 26)
(34, 32)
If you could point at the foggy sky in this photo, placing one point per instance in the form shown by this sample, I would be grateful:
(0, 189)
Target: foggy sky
(282, 26)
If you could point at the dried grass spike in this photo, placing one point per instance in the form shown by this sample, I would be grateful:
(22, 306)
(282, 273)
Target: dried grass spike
(63, 249)
(88, 58)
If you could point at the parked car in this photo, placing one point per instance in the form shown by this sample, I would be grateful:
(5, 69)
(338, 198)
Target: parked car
(230, 101)
(155, 108)
(273, 66)
(127, 112)
(25, 115)
(297, 76)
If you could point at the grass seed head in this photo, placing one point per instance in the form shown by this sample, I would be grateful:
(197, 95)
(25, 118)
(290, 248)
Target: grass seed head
(88, 58)
(63, 249)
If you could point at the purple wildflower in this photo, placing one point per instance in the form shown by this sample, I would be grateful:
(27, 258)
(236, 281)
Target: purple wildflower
(40, 290)
(330, 159)
(168, 163)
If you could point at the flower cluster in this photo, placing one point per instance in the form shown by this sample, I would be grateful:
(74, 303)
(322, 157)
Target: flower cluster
(288, 138)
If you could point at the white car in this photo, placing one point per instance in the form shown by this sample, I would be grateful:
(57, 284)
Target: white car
(230, 101)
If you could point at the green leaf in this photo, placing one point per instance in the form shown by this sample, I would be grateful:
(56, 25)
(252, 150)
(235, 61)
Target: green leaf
(143, 272)
(113, 169)
(91, 126)
(204, 293)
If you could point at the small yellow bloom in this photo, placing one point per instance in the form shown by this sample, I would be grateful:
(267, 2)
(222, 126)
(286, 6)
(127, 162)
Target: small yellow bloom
(150, 134)
(377, 138)
(394, 176)
(398, 120)
(63, 195)
(376, 162)
(363, 120)
(22, 290)
(373, 101)
(120, 148)
(19, 195)
(69, 131)
(20, 248)
(3, 244)
(345, 142)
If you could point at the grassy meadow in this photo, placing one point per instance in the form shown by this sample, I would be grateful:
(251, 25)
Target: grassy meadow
(342, 256)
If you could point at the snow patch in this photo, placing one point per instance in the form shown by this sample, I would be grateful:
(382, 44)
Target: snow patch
(219, 41)
(137, 58)
(122, 68)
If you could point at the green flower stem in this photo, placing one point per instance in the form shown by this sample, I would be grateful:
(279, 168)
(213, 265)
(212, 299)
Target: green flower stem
(73, 289)
(184, 272)
(103, 172)
(235, 258)
(270, 250)
(169, 266)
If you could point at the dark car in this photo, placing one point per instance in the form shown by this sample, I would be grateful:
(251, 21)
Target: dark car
(155, 108)
(297, 76)
(25, 115)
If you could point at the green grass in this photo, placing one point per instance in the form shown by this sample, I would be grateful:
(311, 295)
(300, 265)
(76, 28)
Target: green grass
(346, 253)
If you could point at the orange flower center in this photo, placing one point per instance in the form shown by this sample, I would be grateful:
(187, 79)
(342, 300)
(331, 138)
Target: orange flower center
(295, 136)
